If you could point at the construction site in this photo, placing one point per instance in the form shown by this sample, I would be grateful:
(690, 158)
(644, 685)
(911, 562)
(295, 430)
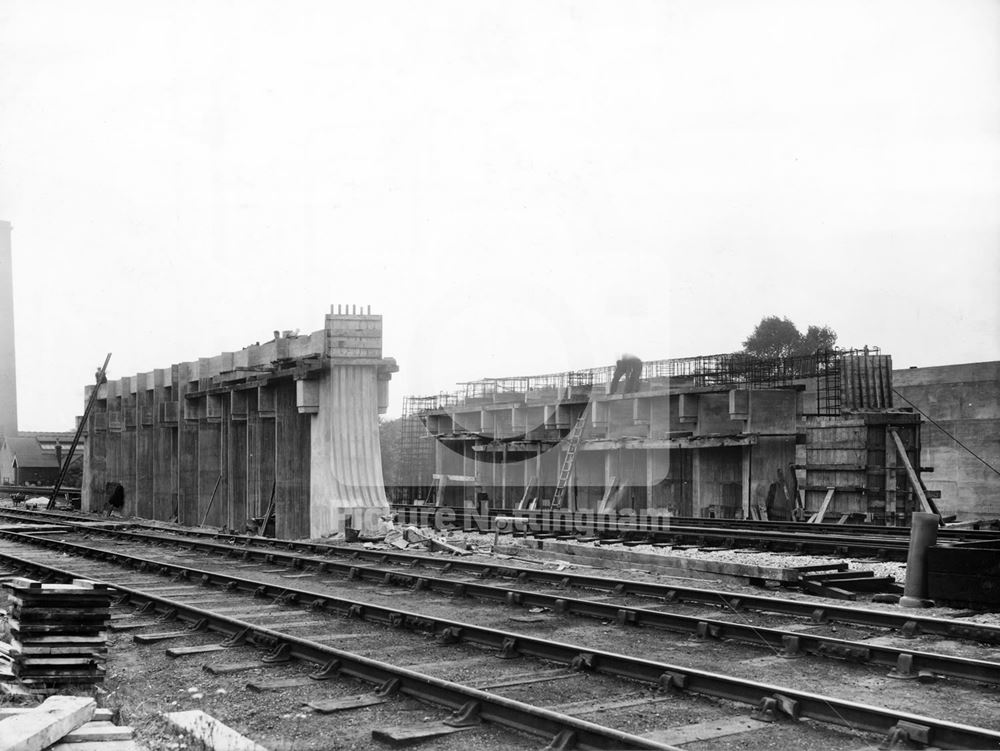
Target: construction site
(548, 376)
(613, 535)
(724, 436)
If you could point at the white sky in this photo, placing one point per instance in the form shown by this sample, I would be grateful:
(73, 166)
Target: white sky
(518, 187)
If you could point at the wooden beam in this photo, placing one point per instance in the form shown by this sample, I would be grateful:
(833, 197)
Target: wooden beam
(925, 505)
(46, 723)
(603, 505)
(705, 731)
(527, 493)
(409, 735)
(817, 518)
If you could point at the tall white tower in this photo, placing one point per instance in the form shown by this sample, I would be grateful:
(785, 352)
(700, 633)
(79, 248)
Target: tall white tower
(8, 374)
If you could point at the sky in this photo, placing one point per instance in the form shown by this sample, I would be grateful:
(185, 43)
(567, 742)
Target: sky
(516, 186)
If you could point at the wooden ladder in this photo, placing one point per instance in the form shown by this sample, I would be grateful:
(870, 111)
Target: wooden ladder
(570, 459)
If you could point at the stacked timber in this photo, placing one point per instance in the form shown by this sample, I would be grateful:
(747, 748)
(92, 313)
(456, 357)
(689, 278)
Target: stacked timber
(59, 632)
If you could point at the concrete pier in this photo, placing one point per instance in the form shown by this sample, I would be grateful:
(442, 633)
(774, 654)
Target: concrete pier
(211, 440)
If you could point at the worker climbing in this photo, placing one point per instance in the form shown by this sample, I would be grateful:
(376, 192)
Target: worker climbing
(628, 367)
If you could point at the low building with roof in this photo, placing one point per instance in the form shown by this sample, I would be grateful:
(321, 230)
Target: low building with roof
(34, 458)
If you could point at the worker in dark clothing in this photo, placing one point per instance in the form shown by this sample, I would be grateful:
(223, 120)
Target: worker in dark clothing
(628, 367)
(116, 498)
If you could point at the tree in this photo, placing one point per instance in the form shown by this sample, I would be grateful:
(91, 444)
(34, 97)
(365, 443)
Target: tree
(777, 337)
(773, 337)
(817, 339)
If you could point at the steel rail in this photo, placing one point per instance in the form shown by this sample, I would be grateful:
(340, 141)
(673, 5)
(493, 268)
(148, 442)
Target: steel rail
(909, 624)
(905, 662)
(553, 524)
(666, 523)
(777, 700)
(465, 701)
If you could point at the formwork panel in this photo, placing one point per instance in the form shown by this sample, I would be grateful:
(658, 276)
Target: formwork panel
(291, 464)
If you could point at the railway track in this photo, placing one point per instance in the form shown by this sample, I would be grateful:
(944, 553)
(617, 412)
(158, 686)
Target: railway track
(734, 639)
(299, 554)
(889, 543)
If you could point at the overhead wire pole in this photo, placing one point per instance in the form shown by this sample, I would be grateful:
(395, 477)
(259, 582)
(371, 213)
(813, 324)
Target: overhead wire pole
(79, 431)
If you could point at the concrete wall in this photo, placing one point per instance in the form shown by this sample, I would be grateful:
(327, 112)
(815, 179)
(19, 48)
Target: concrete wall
(8, 375)
(213, 440)
(965, 401)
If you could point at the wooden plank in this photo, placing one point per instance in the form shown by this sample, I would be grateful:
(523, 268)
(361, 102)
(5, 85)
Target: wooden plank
(209, 731)
(865, 584)
(133, 626)
(705, 731)
(184, 651)
(407, 736)
(817, 518)
(78, 585)
(235, 667)
(589, 706)
(46, 724)
(101, 714)
(280, 684)
(161, 636)
(925, 505)
(329, 706)
(97, 746)
(98, 731)
(521, 679)
(826, 591)
(89, 642)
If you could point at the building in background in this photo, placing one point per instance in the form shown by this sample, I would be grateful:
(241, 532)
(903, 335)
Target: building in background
(35, 459)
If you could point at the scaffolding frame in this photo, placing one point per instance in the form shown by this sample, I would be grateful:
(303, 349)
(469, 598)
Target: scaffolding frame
(415, 468)
(734, 370)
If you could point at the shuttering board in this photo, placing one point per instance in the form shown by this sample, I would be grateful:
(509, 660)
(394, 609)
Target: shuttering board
(850, 455)
(292, 464)
(236, 473)
(210, 469)
(866, 382)
(145, 441)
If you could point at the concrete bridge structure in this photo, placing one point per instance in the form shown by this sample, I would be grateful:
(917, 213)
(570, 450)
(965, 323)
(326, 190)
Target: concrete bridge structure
(212, 441)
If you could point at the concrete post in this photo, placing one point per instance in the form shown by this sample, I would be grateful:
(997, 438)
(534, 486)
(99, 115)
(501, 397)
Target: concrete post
(923, 535)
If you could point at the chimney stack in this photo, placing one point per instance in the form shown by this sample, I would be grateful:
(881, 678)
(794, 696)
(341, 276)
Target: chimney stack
(8, 370)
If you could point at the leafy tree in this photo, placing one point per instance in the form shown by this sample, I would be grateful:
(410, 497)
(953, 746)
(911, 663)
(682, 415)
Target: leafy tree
(777, 337)
(773, 337)
(816, 339)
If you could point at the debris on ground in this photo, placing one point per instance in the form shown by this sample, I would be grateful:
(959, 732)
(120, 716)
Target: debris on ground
(60, 721)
